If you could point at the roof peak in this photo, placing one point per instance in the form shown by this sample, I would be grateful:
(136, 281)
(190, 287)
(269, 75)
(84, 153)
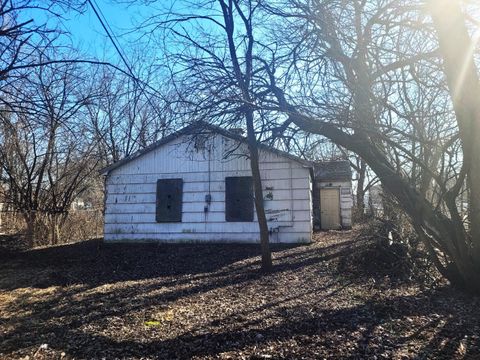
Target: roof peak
(192, 129)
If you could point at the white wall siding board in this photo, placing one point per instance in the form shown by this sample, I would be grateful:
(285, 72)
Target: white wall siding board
(200, 182)
(205, 237)
(152, 228)
(217, 205)
(286, 204)
(194, 217)
(189, 204)
(193, 192)
(188, 218)
(217, 183)
(148, 209)
(187, 228)
(131, 195)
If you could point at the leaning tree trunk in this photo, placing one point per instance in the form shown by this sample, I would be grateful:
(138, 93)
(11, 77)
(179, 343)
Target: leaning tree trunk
(447, 234)
(438, 231)
(257, 186)
(457, 49)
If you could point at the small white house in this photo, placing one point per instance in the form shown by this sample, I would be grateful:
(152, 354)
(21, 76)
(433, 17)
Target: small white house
(196, 186)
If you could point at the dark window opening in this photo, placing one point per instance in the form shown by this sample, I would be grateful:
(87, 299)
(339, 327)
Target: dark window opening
(239, 199)
(169, 200)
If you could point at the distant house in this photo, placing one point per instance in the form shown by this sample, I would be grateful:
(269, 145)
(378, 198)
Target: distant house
(196, 185)
(374, 201)
(77, 204)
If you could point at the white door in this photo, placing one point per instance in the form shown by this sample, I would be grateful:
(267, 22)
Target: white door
(330, 209)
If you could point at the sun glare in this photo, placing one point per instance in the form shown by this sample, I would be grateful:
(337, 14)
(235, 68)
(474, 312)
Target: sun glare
(467, 63)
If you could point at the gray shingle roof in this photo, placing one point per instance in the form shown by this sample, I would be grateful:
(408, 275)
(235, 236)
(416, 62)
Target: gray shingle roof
(333, 170)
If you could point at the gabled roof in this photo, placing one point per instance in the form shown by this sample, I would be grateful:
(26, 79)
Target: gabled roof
(333, 170)
(195, 129)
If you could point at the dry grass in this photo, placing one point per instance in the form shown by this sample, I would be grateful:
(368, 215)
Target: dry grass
(89, 300)
(79, 225)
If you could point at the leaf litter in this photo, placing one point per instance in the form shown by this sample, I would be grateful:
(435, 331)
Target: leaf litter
(93, 301)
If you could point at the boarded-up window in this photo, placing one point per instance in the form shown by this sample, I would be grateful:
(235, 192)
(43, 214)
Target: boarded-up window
(169, 200)
(239, 199)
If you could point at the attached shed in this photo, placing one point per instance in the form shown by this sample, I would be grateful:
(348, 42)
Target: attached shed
(196, 185)
(332, 195)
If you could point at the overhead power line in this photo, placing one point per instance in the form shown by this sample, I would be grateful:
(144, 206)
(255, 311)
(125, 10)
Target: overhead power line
(111, 35)
(111, 38)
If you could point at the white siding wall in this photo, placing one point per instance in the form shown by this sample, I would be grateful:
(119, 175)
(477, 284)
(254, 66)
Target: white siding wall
(346, 200)
(131, 195)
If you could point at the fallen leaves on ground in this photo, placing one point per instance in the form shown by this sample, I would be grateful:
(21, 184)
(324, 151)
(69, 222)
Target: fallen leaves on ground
(90, 300)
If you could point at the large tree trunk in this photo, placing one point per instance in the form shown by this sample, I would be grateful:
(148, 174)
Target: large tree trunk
(457, 50)
(55, 228)
(257, 185)
(30, 218)
(434, 227)
(243, 79)
(439, 231)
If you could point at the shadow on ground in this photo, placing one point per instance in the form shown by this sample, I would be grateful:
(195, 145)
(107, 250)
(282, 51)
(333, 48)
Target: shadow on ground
(95, 263)
(90, 300)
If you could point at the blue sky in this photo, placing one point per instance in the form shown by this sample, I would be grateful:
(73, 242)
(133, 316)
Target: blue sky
(88, 35)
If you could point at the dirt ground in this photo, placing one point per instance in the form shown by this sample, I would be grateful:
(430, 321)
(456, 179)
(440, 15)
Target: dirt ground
(90, 300)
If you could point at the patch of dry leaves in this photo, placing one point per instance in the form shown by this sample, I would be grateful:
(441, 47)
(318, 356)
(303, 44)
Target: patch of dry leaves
(90, 300)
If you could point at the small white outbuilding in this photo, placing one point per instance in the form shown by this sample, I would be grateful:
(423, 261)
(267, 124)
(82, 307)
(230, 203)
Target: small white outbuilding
(332, 195)
(196, 186)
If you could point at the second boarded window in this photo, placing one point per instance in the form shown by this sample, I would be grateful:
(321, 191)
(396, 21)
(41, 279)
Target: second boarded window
(169, 200)
(239, 199)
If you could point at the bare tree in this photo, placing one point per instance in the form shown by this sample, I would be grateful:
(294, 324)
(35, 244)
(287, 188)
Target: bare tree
(21, 36)
(125, 117)
(54, 129)
(369, 75)
(45, 158)
(212, 57)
